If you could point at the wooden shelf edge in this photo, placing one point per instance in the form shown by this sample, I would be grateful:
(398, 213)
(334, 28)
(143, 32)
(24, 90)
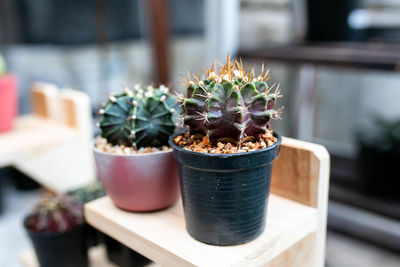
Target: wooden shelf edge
(161, 236)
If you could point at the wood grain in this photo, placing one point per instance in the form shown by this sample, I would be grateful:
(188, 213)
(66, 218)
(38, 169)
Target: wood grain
(161, 236)
(45, 100)
(30, 133)
(159, 21)
(294, 235)
(301, 254)
(301, 173)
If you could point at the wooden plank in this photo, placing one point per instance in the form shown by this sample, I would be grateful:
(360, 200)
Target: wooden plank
(30, 133)
(45, 100)
(296, 171)
(301, 173)
(35, 147)
(161, 236)
(158, 14)
(301, 254)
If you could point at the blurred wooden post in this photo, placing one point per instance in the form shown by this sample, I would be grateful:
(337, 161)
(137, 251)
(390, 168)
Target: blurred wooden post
(158, 12)
(45, 100)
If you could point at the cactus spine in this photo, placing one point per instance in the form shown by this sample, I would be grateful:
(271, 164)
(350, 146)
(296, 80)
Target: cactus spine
(140, 118)
(234, 103)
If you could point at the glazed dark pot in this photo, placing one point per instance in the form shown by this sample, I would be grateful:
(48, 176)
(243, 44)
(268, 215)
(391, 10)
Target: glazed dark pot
(61, 249)
(139, 182)
(225, 196)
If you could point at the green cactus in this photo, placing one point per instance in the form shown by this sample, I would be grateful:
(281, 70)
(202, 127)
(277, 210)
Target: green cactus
(140, 118)
(232, 104)
(3, 66)
(88, 193)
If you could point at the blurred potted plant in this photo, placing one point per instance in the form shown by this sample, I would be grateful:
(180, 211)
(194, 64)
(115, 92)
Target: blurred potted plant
(8, 97)
(86, 194)
(56, 229)
(122, 255)
(116, 252)
(134, 163)
(379, 156)
(225, 159)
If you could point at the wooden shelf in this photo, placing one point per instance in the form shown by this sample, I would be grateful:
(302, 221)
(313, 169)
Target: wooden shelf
(162, 237)
(294, 234)
(52, 145)
(31, 132)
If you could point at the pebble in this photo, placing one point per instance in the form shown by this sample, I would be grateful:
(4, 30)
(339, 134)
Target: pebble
(101, 144)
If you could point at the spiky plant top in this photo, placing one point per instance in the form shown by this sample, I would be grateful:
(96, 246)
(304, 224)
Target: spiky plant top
(232, 102)
(55, 215)
(139, 117)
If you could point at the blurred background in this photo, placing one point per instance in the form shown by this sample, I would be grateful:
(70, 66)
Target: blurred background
(337, 62)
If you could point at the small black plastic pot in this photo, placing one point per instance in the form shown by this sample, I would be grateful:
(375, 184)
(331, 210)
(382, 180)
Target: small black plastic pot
(92, 236)
(123, 256)
(61, 249)
(225, 196)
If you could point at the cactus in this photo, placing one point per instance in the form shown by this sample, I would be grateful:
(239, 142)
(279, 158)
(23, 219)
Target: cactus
(3, 66)
(55, 215)
(140, 118)
(88, 193)
(231, 104)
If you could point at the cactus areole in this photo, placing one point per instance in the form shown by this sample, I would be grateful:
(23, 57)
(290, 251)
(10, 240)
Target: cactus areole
(140, 118)
(233, 103)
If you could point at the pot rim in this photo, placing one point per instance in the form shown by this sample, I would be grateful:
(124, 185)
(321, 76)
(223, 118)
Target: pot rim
(52, 234)
(172, 144)
(95, 149)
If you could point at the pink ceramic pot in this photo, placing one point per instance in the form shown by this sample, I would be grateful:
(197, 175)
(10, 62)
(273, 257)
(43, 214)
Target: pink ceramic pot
(142, 182)
(8, 101)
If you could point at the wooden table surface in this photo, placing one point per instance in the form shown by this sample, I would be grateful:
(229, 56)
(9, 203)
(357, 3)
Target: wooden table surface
(162, 237)
(31, 132)
(50, 153)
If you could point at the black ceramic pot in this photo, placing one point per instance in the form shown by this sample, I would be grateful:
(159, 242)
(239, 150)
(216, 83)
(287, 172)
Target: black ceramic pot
(225, 195)
(61, 249)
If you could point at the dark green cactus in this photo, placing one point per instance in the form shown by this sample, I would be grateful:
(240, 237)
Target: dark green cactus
(88, 193)
(140, 118)
(230, 104)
